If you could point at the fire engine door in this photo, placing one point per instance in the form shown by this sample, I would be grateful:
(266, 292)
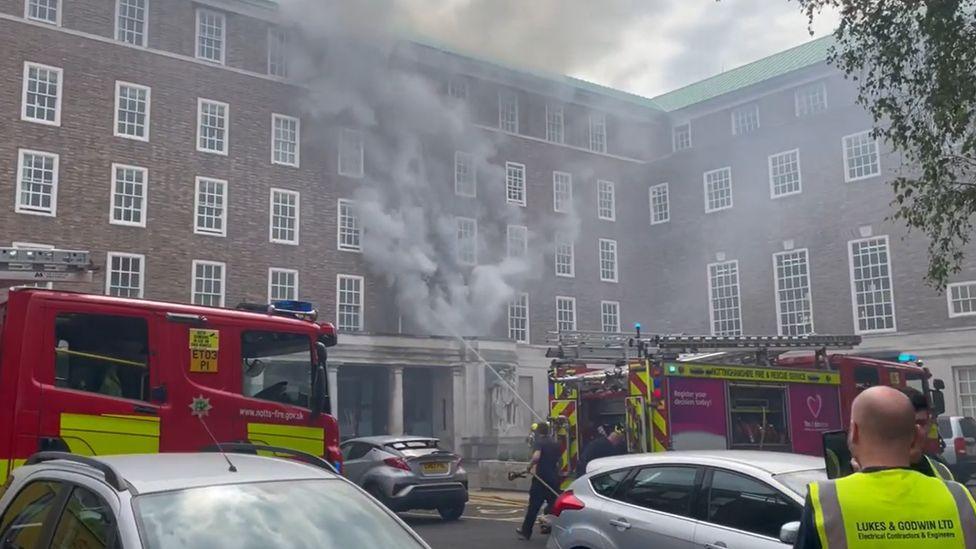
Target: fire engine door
(636, 424)
(96, 369)
(564, 418)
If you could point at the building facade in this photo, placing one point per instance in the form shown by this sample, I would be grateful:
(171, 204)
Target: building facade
(170, 140)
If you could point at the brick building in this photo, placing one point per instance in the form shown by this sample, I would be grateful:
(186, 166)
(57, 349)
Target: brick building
(169, 139)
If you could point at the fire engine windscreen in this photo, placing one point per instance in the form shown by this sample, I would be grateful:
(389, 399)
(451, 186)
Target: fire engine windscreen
(278, 366)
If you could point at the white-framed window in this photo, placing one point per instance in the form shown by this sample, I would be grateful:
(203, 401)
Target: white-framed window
(962, 298)
(784, 174)
(282, 284)
(555, 123)
(518, 318)
(871, 289)
(562, 192)
(745, 119)
(130, 186)
(608, 260)
(125, 274)
(862, 158)
(810, 99)
(515, 183)
(467, 240)
(517, 241)
(212, 126)
(349, 232)
(966, 389)
(349, 301)
(132, 110)
(285, 216)
(718, 189)
(681, 137)
(565, 314)
(508, 111)
(457, 88)
(465, 175)
(598, 133)
(660, 201)
(565, 262)
(210, 207)
(610, 317)
(286, 139)
(130, 21)
(37, 183)
(277, 52)
(41, 101)
(211, 36)
(351, 144)
(209, 279)
(45, 11)
(606, 200)
(724, 312)
(794, 304)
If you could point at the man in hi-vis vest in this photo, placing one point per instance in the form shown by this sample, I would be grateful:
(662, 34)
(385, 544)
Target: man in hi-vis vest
(886, 504)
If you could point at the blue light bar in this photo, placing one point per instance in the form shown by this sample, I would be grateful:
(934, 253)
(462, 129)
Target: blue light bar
(907, 357)
(637, 325)
(293, 305)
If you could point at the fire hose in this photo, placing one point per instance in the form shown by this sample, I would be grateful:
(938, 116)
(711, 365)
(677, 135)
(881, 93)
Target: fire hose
(512, 475)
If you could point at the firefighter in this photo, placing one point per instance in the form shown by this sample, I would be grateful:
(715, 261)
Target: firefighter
(611, 444)
(923, 460)
(882, 504)
(544, 468)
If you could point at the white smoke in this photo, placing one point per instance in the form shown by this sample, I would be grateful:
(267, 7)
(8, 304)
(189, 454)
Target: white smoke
(349, 61)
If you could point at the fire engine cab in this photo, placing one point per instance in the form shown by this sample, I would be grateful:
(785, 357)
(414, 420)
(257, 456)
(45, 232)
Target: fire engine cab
(96, 375)
(679, 392)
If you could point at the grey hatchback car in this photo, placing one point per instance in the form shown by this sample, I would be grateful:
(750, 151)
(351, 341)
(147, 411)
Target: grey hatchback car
(682, 500)
(406, 472)
(190, 501)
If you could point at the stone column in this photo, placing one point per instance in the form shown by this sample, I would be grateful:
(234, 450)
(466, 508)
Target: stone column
(396, 401)
(332, 374)
(458, 422)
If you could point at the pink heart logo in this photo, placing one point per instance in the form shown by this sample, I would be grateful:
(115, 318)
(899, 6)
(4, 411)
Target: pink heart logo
(814, 404)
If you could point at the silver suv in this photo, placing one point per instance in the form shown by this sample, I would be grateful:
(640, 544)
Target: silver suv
(205, 500)
(407, 472)
(958, 434)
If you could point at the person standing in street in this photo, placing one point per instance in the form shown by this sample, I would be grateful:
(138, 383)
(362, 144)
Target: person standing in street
(611, 444)
(924, 460)
(887, 504)
(545, 481)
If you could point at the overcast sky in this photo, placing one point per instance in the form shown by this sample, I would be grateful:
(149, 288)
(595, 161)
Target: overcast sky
(643, 46)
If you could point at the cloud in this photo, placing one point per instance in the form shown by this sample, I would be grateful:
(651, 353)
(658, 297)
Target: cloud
(646, 47)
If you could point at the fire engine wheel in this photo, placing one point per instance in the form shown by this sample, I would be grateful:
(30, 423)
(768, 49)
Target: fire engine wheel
(451, 513)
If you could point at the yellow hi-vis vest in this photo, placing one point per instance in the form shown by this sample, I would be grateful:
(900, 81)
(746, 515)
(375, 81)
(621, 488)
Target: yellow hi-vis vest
(893, 509)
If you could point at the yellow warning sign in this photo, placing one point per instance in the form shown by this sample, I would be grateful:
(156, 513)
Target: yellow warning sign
(204, 339)
(203, 361)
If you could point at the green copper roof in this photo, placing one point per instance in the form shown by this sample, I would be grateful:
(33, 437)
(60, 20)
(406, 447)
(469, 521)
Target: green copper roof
(804, 55)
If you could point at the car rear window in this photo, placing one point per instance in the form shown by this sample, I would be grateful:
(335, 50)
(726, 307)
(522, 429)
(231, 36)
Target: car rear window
(945, 428)
(417, 448)
(968, 426)
(301, 514)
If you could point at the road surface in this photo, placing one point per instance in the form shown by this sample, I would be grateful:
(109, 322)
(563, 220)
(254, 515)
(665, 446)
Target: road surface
(486, 524)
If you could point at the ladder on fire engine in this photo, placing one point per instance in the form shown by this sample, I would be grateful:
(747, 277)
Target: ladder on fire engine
(617, 349)
(42, 266)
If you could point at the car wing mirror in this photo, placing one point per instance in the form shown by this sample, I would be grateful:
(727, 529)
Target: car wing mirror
(789, 532)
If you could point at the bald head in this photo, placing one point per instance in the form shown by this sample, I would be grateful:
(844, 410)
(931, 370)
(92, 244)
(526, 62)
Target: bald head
(884, 418)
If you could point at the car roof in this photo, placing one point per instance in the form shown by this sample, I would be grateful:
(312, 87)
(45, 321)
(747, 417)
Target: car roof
(149, 473)
(773, 463)
(382, 440)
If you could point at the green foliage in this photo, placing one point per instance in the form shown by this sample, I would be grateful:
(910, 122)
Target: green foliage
(915, 65)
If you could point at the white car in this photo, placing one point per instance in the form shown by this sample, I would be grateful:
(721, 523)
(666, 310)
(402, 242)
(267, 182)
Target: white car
(723, 499)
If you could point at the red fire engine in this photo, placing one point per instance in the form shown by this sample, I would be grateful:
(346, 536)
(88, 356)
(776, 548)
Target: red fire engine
(95, 375)
(682, 392)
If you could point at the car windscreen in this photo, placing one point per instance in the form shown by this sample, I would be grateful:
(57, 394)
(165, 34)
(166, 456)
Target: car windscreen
(968, 426)
(320, 514)
(417, 448)
(797, 481)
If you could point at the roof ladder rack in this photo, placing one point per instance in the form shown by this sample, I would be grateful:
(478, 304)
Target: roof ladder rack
(37, 265)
